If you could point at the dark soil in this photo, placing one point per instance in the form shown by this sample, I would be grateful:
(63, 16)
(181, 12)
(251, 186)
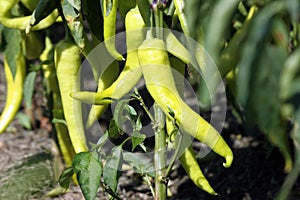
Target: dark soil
(256, 173)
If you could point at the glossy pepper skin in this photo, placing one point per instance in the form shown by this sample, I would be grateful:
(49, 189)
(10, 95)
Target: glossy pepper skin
(104, 82)
(14, 92)
(187, 156)
(67, 63)
(33, 45)
(30, 4)
(109, 23)
(62, 133)
(191, 166)
(131, 73)
(154, 58)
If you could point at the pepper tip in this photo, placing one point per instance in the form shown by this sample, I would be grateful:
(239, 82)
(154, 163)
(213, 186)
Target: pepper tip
(228, 162)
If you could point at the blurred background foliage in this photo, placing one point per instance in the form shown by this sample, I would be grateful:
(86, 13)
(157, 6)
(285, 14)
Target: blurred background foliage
(255, 44)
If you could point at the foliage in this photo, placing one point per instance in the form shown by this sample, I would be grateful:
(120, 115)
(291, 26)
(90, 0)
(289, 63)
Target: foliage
(254, 43)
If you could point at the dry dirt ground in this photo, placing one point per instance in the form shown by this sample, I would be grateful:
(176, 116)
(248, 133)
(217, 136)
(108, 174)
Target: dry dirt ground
(30, 164)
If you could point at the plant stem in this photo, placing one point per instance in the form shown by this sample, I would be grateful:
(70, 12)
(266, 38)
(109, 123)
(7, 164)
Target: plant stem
(158, 18)
(160, 154)
(146, 177)
(142, 103)
(109, 191)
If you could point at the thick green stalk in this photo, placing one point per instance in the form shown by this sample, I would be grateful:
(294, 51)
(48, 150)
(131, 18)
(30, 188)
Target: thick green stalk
(160, 154)
(160, 134)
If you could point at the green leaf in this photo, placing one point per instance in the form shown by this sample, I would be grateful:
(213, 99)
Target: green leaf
(119, 116)
(88, 170)
(125, 6)
(213, 39)
(289, 72)
(74, 23)
(220, 20)
(29, 88)
(141, 164)
(113, 167)
(293, 9)
(101, 142)
(259, 29)
(138, 124)
(264, 100)
(137, 139)
(65, 177)
(144, 8)
(197, 14)
(75, 4)
(262, 76)
(42, 10)
(130, 110)
(280, 32)
(93, 14)
(12, 50)
(231, 54)
(113, 129)
(24, 120)
(103, 139)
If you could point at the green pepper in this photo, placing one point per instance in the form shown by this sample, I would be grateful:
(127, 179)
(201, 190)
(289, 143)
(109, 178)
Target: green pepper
(191, 166)
(14, 92)
(109, 25)
(231, 53)
(22, 23)
(187, 156)
(131, 73)
(67, 61)
(33, 45)
(107, 78)
(153, 59)
(30, 4)
(62, 133)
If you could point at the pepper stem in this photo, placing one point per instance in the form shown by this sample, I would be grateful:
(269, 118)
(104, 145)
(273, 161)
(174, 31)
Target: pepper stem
(158, 18)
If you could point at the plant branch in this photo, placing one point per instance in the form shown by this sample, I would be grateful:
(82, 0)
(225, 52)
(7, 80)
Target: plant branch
(149, 184)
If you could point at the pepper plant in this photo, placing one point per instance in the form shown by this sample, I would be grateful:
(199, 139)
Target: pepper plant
(215, 40)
